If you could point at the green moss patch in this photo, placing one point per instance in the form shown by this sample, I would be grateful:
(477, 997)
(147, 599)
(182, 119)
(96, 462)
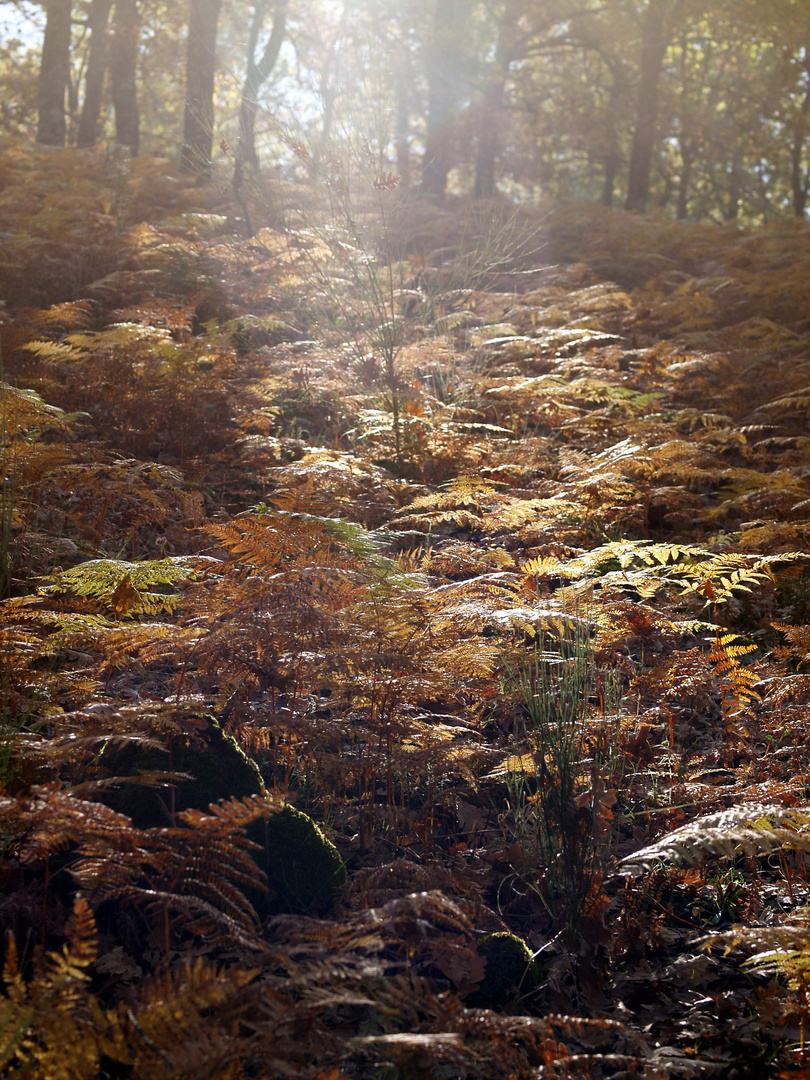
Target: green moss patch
(304, 869)
(509, 969)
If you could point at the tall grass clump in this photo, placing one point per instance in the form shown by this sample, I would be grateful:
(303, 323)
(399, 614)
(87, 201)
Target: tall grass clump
(562, 782)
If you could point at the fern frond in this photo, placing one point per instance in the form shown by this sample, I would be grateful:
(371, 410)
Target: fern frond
(795, 401)
(778, 950)
(73, 314)
(125, 588)
(462, 492)
(746, 830)
(24, 409)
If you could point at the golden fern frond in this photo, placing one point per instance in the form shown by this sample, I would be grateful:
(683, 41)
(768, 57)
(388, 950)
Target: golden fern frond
(34, 461)
(53, 350)
(332, 484)
(778, 950)
(81, 948)
(795, 401)
(658, 559)
(73, 314)
(798, 643)
(736, 680)
(149, 643)
(721, 578)
(198, 871)
(513, 513)
(760, 536)
(24, 409)
(428, 521)
(145, 494)
(311, 552)
(543, 566)
(272, 540)
(41, 1020)
(117, 335)
(462, 492)
(126, 588)
(469, 660)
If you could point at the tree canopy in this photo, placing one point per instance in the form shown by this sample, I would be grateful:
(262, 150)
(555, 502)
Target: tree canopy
(699, 109)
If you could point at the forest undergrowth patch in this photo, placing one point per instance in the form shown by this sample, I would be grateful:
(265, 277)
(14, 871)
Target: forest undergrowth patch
(515, 612)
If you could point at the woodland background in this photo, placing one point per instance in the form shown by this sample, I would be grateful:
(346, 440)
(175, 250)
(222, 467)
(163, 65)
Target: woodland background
(404, 540)
(698, 108)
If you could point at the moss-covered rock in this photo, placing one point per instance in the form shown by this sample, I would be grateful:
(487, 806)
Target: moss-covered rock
(304, 869)
(509, 969)
(217, 768)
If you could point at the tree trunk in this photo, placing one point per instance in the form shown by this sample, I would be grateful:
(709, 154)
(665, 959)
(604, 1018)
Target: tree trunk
(687, 161)
(198, 123)
(54, 74)
(611, 159)
(257, 73)
(96, 68)
(442, 56)
(402, 117)
(653, 49)
(488, 143)
(732, 211)
(800, 182)
(610, 166)
(124, 68)
(490, 122)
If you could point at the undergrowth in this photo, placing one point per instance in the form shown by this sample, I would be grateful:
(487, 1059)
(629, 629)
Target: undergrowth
(499, 574)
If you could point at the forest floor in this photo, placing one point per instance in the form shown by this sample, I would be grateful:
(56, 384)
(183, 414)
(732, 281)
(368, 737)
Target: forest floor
(484, 531)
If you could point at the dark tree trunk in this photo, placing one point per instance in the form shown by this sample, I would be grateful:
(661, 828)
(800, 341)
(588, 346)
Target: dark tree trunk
(732, 211)
(653, 49)
(687, 161)
(442, 57)
(489, 139)
(612, 158)
(667, 191)
(54, 75)
(198, 123)
(96, 69)
(124, 69)
(490, 120)
(257, 73)
(402, 118)
(799, 179)
(327, 91)
(610, 166)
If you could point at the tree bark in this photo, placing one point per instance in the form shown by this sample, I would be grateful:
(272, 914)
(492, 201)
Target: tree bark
(96, 69)
(490, 121)
(198, 123)
(442, 91)
(54, 75)
(653, 49)
(685, 177)
(611, 158)
(257, 73)
(488, 142)
(610, 168)
(732, 210)
(124, 68)
(800, 182)
(402, 117)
